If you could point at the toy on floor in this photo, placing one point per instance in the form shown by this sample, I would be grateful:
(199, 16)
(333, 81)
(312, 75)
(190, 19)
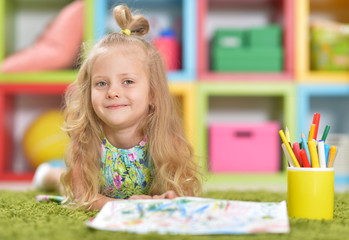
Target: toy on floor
(49, 198)
(44, 139)
(40, 180)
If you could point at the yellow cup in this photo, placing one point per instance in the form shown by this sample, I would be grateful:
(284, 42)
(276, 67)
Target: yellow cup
(310, 192)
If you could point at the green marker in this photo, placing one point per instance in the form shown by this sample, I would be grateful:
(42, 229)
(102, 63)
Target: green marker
(324, 135)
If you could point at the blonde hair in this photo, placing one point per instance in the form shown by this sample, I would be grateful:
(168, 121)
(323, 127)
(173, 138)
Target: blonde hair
(174, 167)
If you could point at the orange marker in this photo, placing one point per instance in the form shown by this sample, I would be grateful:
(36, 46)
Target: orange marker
(304, 158)
(331, 156)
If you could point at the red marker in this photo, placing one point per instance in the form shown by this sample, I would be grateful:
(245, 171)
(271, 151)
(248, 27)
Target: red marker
(316, 121)
(296, 150)
(304, 158)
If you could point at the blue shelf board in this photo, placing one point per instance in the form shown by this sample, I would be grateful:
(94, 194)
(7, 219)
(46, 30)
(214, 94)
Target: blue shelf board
(180, 76)
(324, 90)
(101, 9)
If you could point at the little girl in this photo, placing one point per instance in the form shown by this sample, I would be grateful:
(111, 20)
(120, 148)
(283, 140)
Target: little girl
(126, 138)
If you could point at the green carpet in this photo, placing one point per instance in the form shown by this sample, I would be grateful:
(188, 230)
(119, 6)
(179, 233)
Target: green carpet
(21, 217)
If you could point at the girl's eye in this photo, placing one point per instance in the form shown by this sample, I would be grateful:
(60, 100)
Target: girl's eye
(128, 82)
(101, 84)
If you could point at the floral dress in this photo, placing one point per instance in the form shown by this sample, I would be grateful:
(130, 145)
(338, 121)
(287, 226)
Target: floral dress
(125, 172)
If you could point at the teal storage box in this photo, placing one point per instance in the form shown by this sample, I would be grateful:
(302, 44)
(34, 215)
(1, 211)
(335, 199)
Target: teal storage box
(267, 36)
(229, 38)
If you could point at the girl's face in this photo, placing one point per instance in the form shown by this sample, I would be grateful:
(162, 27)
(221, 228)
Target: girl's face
(120, 88)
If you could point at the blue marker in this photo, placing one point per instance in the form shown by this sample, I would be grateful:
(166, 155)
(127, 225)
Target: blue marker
(327, 150)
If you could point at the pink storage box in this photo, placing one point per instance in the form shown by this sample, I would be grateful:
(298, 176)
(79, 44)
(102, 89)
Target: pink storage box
(244, 147)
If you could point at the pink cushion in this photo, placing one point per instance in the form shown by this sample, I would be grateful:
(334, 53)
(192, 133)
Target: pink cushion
(57, 48)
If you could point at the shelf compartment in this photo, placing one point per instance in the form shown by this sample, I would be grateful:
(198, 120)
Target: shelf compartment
(331, 101)
(269, 11)
(17, 19)
(18, 104)
(306, 11)
(263, 101)
(183, 10)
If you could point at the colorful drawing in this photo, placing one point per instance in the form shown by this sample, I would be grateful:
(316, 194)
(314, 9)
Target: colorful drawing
(190, 215)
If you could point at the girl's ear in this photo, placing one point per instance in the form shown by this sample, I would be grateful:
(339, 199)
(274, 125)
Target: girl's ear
(151, 102)
(151, 108)
(151, 98)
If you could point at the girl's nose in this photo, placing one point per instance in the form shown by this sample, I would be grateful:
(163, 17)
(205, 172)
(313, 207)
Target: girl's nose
(113, 92)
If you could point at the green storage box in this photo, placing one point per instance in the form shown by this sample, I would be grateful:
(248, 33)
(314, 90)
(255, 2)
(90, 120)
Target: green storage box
(257, 49)
(248, 60)
(229, 38)
(266, 36)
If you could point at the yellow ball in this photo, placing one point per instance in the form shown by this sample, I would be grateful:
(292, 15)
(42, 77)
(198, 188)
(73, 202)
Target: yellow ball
(44, 139)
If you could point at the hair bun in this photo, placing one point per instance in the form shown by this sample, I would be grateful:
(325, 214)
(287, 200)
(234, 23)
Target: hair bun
(138, 24)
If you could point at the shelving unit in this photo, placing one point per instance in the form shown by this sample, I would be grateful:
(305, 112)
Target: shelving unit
(306, 10)
(264, 12)
(289, 97)
(50, 86)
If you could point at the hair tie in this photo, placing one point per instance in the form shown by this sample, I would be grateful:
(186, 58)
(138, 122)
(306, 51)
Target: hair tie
(126, 31)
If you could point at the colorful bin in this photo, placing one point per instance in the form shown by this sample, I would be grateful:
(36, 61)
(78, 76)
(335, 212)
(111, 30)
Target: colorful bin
(244, 147)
